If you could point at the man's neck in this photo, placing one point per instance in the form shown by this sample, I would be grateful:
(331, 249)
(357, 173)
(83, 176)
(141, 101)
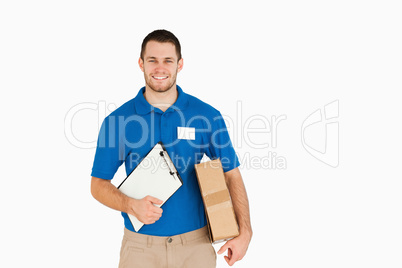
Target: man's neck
(161, 100)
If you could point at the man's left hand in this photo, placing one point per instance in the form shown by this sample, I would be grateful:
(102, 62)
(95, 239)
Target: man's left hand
(236, 247)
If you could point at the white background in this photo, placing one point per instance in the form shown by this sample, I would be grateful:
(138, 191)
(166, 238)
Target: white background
(275, 57)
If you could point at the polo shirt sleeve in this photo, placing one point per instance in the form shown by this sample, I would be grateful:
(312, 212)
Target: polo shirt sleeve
(220, 145)
(108, 156)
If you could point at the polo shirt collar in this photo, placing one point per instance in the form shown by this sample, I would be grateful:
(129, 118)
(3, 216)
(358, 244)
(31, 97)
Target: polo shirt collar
(142, 106)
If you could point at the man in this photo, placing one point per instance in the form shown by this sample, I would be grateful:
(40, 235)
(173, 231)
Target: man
(174, 235)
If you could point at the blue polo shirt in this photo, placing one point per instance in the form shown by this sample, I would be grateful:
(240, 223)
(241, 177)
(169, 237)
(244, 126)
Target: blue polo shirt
(131, 131)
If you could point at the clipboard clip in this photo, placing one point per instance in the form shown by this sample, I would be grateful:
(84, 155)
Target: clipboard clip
(162, 153)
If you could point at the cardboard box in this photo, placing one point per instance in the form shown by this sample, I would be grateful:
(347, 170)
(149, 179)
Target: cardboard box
(218, 205)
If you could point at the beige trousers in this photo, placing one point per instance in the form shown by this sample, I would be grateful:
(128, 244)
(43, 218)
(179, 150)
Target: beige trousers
(192, 249)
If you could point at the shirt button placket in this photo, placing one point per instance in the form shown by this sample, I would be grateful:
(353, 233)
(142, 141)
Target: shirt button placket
(164, 129)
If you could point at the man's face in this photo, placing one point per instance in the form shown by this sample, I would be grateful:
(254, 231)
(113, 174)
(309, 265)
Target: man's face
(160, 66)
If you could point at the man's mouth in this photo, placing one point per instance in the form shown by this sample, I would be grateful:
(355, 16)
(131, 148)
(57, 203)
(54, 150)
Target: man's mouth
(160, 77)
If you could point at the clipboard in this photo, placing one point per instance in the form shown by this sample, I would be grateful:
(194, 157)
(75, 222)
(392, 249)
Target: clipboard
(155, 175)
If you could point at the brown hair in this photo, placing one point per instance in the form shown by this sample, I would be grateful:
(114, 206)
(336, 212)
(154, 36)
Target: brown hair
(162, 36)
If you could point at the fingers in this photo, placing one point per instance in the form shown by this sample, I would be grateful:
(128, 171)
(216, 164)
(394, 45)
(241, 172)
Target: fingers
(223, 248)
(227, 260)
(153, 214)
(154, 200)
(233, 254)
(232, 258)
(152, 217)
(230, 253)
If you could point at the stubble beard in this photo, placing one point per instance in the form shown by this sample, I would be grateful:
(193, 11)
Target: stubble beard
(158, 88)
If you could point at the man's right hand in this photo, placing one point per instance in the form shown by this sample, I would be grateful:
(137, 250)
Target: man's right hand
(145, 210)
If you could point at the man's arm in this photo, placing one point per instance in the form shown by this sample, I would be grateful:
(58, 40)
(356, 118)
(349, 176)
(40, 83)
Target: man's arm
(106, 193)
(237, 247)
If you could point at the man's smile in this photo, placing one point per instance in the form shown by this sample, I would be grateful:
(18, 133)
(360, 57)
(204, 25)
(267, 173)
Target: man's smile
(160, 77)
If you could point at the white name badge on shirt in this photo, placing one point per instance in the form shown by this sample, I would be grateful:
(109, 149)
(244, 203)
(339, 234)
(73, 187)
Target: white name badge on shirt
(186, 133)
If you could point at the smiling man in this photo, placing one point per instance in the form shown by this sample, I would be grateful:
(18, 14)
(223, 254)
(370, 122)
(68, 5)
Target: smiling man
(174, 235)
(160, 77)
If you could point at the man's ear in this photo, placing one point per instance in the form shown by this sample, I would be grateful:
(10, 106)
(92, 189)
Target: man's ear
(180, 65)
(141, 64)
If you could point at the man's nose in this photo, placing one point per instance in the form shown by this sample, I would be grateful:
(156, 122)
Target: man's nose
(160, 65)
